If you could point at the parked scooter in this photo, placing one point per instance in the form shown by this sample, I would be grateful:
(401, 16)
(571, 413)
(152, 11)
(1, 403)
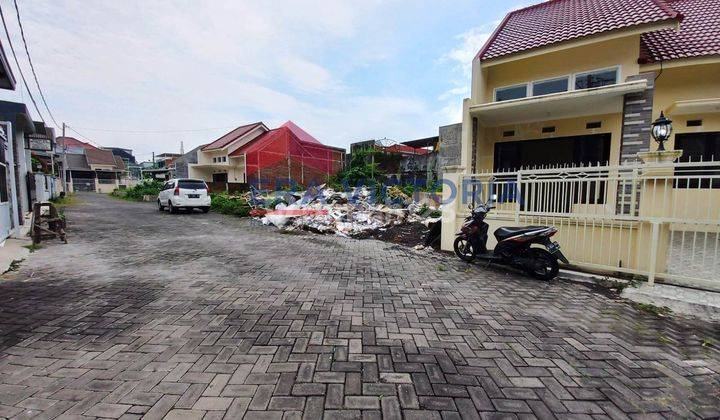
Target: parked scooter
(514, 247)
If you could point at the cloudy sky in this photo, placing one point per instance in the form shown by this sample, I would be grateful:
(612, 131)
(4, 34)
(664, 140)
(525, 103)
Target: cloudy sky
(155, 73)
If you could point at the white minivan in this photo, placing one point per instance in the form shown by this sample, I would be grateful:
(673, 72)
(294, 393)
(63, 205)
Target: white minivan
(184, 193)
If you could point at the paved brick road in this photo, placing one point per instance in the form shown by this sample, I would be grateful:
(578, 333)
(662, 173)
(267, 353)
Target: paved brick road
(128, 321)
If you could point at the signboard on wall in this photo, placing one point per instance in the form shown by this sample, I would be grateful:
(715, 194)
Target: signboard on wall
(38, 141)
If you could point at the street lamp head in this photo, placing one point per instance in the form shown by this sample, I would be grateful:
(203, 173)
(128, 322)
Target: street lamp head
(661, 130)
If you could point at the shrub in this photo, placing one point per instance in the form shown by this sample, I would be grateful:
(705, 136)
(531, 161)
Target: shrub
(136, 193)
(232, 205)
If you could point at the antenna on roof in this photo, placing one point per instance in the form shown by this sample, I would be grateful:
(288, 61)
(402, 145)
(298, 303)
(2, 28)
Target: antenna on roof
(182, 148)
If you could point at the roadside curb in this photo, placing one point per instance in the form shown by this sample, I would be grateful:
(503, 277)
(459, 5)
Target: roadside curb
(686, 301)
(13, 249)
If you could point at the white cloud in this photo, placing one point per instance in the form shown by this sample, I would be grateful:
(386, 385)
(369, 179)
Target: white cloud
(470, 43)
(183, 64)
(307, 76)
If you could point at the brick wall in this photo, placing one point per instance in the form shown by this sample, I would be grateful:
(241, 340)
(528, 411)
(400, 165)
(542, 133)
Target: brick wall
(277, 175)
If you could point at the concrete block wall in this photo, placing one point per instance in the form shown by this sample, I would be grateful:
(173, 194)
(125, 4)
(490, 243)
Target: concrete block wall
(450, 143)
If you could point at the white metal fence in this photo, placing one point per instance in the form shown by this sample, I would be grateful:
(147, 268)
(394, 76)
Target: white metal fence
(653, 220)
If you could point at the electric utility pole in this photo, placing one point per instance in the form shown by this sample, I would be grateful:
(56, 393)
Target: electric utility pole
(63, 175)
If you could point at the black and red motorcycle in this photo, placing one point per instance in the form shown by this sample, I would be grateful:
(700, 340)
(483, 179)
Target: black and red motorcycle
(514, 245)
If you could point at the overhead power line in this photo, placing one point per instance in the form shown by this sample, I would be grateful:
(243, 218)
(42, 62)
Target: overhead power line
(27, 51)
(81, 135)
(7, 33)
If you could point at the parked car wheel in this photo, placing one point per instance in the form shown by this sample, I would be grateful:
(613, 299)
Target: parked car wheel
(205, 209)
(173, 209)
(160, 206)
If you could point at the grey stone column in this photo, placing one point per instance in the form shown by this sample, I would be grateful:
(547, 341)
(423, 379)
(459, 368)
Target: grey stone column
(635, 138)
(637, 117)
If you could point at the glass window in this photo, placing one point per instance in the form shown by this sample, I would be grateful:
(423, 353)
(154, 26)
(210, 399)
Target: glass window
(596, 79)
(514, 92)
(550, 86)
(698, 147)
(191, 184)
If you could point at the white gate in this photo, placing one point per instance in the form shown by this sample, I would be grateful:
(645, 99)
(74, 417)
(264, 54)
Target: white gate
(652, 220)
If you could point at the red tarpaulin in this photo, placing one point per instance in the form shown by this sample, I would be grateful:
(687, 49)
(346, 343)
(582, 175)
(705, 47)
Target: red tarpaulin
(289, 153)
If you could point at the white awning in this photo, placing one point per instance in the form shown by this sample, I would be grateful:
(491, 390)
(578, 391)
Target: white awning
(576, 103)
(694, 107)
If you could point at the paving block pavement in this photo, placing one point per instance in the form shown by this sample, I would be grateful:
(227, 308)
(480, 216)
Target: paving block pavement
(153, 315)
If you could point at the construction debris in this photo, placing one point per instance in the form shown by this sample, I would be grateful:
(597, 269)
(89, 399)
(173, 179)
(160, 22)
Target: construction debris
(352, 214)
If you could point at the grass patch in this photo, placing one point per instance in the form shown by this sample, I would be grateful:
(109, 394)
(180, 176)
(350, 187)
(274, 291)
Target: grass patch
(224, 203)
(136, 193)
(33, 247)
(615, 286)
(661, 311)
(14, 265)
(441, 268)
(68, 200)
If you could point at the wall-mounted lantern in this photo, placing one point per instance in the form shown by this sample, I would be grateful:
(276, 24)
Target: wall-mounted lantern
(661, 130)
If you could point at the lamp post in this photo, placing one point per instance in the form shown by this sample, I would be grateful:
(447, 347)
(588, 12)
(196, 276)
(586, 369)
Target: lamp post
(661, 130)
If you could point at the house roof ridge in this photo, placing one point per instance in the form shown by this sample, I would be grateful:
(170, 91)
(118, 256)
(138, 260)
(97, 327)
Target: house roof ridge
(667, 9)
(249, 127)
(495, 33)
(566, 20)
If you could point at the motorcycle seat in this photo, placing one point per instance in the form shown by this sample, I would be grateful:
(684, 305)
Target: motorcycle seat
(503, 233)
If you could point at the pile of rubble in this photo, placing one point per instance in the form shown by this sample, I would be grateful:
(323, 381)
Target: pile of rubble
(324, 210)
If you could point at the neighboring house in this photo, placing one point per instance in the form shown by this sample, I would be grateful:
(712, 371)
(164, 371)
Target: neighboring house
(90, 168)
(166, 160)
(18, 159)
(254, 154)
(421, 169)
(9, 220)
(125, 154)
(410, 162)
(42, 183)
(129, 161)
(159, 174)
(182, 164)
(579, 82)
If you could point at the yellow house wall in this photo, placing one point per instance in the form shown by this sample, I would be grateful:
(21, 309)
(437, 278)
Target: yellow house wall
(106, 188)
(488, 136)
(621, 51)
(687, 83)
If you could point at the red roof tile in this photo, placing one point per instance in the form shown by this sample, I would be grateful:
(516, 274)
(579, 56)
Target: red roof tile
(73, 142)
(405, 149)
(564, 20)
(97, 156)
(231, 136)
(699, 33)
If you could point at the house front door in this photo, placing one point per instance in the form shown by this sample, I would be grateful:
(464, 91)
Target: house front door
(220, 177)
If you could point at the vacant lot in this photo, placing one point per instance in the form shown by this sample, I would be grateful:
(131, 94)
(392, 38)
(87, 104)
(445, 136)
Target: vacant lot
(151, 314)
